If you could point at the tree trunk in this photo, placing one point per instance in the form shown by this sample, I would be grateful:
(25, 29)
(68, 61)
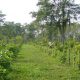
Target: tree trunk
(62, 38)
(69, 57)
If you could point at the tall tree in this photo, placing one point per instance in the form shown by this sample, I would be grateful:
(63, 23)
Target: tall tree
(57, 14)
(11, 29)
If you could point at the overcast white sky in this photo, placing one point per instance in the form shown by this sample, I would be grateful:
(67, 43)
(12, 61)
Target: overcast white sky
(18, 10)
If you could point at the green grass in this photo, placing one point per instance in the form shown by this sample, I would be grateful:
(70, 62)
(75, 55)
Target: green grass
(34, 64)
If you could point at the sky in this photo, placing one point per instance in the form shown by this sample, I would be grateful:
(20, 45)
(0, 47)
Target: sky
(18, 10)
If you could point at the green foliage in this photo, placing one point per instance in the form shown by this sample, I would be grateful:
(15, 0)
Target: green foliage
(63, 58)
(5, 58)
(5, 62)
(56, 15)
(11, 29)
(14, 50)
(8, 52)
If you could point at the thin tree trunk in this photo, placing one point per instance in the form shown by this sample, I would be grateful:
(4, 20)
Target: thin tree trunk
(79, 60)
(63, 38)
(69, 57)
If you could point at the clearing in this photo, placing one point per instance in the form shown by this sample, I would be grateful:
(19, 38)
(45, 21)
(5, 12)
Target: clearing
(33, 63)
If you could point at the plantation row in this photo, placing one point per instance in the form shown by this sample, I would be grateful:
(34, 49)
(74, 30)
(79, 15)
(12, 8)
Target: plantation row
(8, 53)
(67, 53)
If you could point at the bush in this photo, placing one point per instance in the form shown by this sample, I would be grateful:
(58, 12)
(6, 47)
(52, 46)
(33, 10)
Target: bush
(15, 50)
(63, 58)
(5, 63)
(8, 52)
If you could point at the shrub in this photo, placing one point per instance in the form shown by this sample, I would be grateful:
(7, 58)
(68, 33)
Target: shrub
(15, 50)
(63, 58)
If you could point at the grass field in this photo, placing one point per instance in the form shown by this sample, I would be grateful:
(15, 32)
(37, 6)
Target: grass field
(34, 64)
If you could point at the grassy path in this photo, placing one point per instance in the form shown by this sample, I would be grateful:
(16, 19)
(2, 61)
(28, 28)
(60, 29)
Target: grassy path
(33, 64)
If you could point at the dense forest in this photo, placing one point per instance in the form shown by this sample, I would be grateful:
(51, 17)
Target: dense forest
(46, 49)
